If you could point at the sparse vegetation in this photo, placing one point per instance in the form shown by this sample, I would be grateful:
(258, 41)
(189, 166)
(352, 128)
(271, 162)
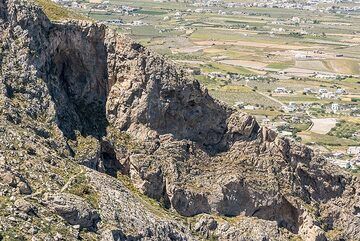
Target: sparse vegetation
(345, 129)
(57, 13)
(153, 205)
(85, 147)
(80, 187)
(326, 140)
(120, 138)
(195, 163)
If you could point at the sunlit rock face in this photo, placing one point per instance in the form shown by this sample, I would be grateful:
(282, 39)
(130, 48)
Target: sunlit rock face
(101, 138)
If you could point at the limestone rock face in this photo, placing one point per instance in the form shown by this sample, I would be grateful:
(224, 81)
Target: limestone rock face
(73, 209)
(24, 206)
(126, 146)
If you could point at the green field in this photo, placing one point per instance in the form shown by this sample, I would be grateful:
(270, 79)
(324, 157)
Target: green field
(261, 45)
(251, 98)
(225, 68)
(326, 140)
(281, 65)
(345, 129)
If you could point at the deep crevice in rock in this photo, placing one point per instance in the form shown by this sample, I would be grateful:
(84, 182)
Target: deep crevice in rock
(76, 75)
(110, 162)
(285, 214)
(238, 200)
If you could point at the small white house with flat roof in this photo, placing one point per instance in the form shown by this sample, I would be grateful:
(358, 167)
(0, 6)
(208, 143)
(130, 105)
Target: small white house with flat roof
(322, 91)
(280, 90)
(335, 107)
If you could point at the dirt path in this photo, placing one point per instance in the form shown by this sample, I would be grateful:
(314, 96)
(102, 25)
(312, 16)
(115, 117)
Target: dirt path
(245, 63)
(252, 44)
(271, 98)
(69, 182)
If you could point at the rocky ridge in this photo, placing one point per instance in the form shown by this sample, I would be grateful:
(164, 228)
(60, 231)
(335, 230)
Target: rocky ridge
(103, 139)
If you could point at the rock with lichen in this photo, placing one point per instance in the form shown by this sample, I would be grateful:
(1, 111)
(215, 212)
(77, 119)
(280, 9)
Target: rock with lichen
(103, 139)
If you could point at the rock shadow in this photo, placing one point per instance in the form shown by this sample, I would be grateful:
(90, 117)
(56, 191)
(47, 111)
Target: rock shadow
(77, 78)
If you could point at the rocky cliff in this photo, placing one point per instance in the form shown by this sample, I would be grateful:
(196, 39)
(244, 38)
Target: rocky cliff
(103, 139)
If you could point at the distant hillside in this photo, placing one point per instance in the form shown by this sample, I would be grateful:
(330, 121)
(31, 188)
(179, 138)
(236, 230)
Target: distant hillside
(58, 13)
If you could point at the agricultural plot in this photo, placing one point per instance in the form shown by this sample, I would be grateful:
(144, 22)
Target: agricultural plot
(250, 98)
(242, 54)
(311, 138)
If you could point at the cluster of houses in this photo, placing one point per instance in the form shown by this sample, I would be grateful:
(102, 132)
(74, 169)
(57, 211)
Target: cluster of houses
(71, 3)
(349, 109)
(312, 5)
(120, 22)
(125, 10)
(98, 6)
(321, 93)
(246, 106)
(284, 124)
(238, 77)
(282, 90)
(212, 6)
(105, 6)
(349, 159)
(343, 9)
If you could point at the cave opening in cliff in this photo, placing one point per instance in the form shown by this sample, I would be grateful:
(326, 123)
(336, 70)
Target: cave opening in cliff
(78, 83)
(239, 200)
(111, 163)
(284, 213)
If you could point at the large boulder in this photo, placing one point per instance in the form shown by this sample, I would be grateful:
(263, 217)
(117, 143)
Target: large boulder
(75, 210)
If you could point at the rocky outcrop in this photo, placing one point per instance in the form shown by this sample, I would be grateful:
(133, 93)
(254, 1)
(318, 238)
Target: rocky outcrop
(74, 96)
(73, 209)
(15, 180)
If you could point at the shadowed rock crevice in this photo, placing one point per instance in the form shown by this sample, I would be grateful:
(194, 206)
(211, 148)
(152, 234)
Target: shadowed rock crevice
(284, 213)
(190, 152)
(239, 199)
(331, 186)
(76, 76)
(100, 155)
(110, 163)
(189, 204)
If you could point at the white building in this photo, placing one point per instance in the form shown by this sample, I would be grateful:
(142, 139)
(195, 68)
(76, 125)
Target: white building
(322, 91)
(280, 90)
(138, 23)
(353, 150)
(300, 56)
(340, 91)
(328, 95)
(249, 107)
(335, 107)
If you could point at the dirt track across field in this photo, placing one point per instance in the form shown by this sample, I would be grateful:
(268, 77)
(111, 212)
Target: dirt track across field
(245, 63)
(251, 44)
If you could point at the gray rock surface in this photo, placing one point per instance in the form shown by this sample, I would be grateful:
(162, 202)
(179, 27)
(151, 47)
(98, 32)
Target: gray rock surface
(168, 162)
(75, 210)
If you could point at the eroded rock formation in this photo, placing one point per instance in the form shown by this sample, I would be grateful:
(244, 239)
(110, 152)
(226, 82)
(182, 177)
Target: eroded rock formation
(126, 146)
